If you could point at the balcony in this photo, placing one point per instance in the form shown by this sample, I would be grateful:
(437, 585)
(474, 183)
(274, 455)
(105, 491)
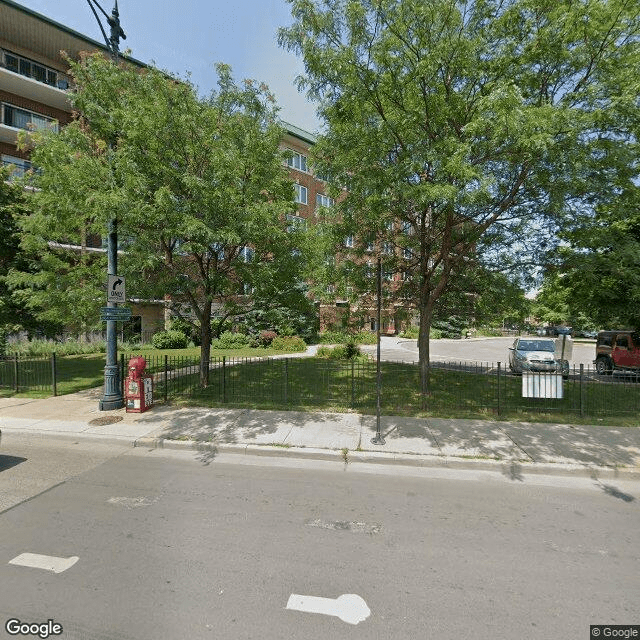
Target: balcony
(13, 119)
(36, 82)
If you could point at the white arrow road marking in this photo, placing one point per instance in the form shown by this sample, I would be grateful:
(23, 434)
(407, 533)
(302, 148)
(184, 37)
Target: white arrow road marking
(349, 607)
(50, 563)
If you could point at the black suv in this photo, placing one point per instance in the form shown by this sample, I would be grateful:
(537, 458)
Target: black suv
(617, 350)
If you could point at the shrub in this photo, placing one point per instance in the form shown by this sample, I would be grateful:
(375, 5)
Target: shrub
(347, 351)
(192, 332)
(170, 340)
(410, 332)
(43, 348)
(342, 337)
(366, 337)
(288, 343)
(266, 338)
(333, 337)
(231, 340)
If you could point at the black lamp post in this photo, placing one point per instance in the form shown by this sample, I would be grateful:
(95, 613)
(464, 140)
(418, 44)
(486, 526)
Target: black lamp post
(112, 398)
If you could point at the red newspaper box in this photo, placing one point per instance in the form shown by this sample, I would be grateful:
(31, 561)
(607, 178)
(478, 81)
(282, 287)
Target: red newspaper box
(138, 388)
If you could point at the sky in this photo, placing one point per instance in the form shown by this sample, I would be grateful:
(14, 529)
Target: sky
(193, 35)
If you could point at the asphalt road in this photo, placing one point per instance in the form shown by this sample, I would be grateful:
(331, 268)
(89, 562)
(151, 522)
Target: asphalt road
(177, 545)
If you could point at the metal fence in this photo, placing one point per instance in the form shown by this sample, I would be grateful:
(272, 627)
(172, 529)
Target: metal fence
(455, 387)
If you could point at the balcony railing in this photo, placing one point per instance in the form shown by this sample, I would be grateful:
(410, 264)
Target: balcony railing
(32, 69)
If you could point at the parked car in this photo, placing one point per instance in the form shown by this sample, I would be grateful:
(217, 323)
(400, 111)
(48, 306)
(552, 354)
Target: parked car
(617, 350)
(536, 354)
(562, 331)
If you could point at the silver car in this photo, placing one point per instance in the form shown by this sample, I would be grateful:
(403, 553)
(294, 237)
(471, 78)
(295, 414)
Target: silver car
(536, 354)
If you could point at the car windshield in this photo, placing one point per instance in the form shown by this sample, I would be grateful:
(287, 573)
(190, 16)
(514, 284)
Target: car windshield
(536, 345)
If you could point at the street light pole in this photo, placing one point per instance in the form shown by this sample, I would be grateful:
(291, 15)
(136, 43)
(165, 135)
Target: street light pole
(379, 438)
(112, 398)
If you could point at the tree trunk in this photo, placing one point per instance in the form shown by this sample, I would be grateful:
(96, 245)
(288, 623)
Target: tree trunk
(205, 344)
(423, 352)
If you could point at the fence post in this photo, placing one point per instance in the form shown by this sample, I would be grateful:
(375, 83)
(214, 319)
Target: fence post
(15, 372)
(499, 399)
(286, 380)
(53, 374)
(353, 390)
(581, 390)
(224, 379)
(166, 377)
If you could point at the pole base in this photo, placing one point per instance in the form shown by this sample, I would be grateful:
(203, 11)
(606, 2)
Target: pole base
(110, 404)
(378, 440)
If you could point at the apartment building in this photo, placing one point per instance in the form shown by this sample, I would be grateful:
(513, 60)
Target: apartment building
(336, 306)
(34, 94)
(34, 90)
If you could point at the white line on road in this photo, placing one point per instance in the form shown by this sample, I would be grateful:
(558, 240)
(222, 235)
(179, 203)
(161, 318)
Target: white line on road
(349, 607)
(49, 563)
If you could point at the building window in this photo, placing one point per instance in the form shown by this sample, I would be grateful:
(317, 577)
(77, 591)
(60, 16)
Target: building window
(348, 242)
(323, 201)
(18, 165)
(246, 254)
(296, 222)
(297, 161)
(301, 194)
(387, 247)
(407, 254)
(30, 69)
(23, 119)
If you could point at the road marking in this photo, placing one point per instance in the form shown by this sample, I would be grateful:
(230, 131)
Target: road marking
(349, 607)
(49, 563)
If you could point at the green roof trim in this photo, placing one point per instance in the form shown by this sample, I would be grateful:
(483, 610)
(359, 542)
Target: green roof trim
(298, 132)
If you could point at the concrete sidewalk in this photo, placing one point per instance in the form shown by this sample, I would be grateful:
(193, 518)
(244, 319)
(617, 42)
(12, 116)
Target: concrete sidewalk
(516, 448)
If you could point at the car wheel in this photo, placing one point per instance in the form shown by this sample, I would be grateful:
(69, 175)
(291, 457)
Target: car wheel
(603, 367)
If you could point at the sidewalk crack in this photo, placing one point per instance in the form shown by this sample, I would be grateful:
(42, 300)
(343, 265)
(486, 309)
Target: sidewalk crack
(517, 445)
(433, 435)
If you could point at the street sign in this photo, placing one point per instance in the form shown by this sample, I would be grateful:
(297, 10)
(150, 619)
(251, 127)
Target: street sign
(115, 289)
(117, 314)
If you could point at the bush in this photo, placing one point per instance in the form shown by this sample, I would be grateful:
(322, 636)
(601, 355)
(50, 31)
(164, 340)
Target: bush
(410, 332)
(231, 340)
(347, 351)
(333, 337)
(266, 338)
(342, 337)
(289, 343)
(366, 337)
(44, 348)
(170, 340)
(192, 332)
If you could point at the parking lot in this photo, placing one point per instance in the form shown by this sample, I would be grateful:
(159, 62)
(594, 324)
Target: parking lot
(491, 350)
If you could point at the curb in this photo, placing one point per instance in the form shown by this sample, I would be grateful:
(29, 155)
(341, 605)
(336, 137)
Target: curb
(514, 467)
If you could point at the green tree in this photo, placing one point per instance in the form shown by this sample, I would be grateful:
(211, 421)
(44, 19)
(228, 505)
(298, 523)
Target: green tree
(198, 187)
(14, 314)
(466, 125)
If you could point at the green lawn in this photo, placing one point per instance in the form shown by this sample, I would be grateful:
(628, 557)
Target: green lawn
(316, 384)
(76, 373)
(238, 379)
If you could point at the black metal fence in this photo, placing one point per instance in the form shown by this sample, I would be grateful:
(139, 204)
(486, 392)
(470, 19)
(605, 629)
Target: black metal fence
(456, 388)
